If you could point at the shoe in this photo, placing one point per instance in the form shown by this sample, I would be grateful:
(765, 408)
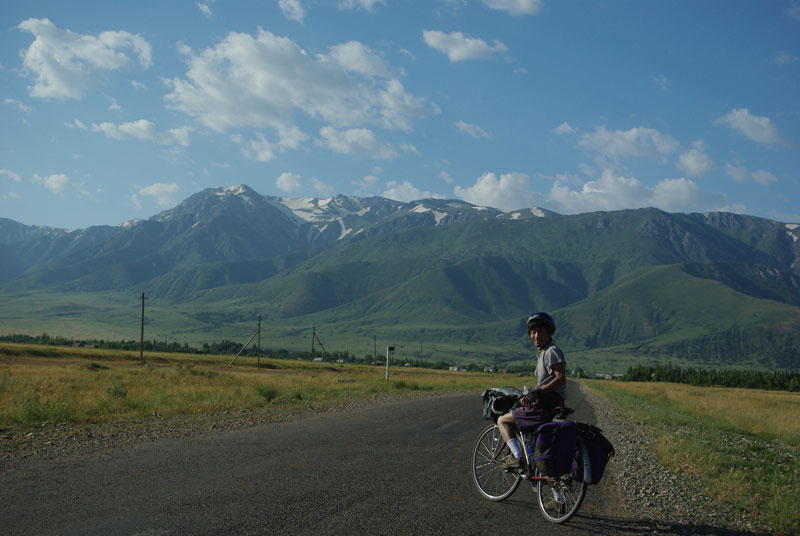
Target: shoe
(513, 463)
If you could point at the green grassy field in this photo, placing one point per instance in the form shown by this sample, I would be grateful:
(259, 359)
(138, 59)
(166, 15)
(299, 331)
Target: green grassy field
(743, 444)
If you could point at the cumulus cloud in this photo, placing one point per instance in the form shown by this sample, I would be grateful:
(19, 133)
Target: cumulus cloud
(755, 128)
(565, 128)
(406, 192)
(57, 183)
(162, 192)
(261, 81)
(13, 177)
(472, 130)
(638, 142)
(292, 10)
(695, 162)
(321, 188)
(741, 174)
(288, 182)
(507, 192)
(358, 58)
(261, 149)
(364, 4)
(145, 130)
(615, 192)
(20, 106)
(204, 8)
(356, 141)
(515, 7)
(459, 47)
(65, 64)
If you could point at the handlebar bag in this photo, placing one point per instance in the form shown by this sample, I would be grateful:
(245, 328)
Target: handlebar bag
(498, 401)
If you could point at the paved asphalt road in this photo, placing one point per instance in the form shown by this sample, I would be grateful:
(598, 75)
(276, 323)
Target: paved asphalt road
(395, 468)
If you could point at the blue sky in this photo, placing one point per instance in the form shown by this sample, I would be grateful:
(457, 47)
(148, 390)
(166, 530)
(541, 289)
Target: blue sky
(117, 110)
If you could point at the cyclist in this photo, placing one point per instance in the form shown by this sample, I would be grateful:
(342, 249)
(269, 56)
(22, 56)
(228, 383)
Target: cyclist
(550, 391)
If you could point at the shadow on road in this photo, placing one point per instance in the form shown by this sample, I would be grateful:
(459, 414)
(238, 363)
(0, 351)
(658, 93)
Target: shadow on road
(614, 526)
(623, 525)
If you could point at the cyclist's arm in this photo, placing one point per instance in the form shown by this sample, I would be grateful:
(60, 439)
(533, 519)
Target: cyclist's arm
(559, 378)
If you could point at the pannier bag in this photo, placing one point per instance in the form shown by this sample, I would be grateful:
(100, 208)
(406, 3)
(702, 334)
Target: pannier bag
(499, 400)
(600, 451)
(555, 447)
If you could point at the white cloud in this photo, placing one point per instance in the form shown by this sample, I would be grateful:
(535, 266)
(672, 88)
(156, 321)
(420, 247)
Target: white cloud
(114, 106)
(65, 64)
(565, 129)
(141, 86)
(785, 58)
(459, 47)
(205, 9)
(13, 177)
(357, 141)
(755, 128)
(365, 4)
(262, 81)
(472, 130)
(292, 10)
(741, 174)
(638, 142)
(662, 81)
(695, 162)
(446, 177)
(615, 192)
(161, 192)
(56, 183)
(406, 192)
(321, 188)
(764, 178)
(76, 123)
(515, 7)
(20, 106)
(13, 195)
(288, 182)
(358, 58)
(737, 173)
(144, 130)
(508, 192)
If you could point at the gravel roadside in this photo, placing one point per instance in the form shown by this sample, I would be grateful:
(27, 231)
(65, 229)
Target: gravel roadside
(673, 503)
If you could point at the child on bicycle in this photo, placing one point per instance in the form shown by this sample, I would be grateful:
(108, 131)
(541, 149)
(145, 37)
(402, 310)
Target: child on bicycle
(550, 391)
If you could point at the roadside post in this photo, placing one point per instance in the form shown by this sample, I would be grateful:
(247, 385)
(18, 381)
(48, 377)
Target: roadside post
(389, 351)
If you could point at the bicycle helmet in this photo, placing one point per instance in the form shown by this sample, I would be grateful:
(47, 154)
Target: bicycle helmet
(542, 319)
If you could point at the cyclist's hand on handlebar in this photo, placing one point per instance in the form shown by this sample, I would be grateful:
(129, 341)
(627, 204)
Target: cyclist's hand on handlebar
(532, 396)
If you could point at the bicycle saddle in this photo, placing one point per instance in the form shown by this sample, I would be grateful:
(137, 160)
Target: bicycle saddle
(562, 412)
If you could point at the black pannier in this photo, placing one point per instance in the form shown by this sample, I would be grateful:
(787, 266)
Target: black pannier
(499, 400)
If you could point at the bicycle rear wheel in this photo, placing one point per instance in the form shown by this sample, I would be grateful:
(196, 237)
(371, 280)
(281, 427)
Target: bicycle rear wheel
(561, 497)
(492, 481)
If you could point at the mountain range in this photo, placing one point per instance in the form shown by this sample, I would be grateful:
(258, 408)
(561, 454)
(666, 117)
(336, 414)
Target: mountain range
(720, 289)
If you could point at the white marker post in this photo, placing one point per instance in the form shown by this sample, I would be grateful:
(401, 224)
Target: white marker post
(389, 350)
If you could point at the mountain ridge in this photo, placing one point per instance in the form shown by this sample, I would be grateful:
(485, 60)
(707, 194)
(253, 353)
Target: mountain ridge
(464, 272)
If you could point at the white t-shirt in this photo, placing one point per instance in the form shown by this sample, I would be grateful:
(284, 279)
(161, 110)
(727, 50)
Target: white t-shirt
(548, 356)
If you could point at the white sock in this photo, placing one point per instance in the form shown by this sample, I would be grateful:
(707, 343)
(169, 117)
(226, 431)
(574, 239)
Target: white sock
(513, 444)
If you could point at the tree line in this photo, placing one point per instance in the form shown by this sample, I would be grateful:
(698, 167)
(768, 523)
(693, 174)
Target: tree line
(779, 380)
(224, 347)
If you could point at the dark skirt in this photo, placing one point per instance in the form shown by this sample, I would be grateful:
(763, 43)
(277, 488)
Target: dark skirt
(532, 417)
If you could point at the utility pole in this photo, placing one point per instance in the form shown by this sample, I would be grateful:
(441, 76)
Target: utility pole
(374, 348)
(258, 354)
(141, 345)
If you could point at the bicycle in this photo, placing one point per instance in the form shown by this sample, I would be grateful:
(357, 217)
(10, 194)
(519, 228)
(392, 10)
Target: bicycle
(559, 497)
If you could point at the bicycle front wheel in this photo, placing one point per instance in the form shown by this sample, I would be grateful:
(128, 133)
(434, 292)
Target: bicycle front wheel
(492, 480)
(559, 498)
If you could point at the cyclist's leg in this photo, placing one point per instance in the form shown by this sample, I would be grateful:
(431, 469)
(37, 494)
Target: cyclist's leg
(507, 426)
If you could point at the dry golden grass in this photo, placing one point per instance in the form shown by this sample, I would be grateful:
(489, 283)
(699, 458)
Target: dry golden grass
(741, 444)
(78, 385)
(773, 414)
